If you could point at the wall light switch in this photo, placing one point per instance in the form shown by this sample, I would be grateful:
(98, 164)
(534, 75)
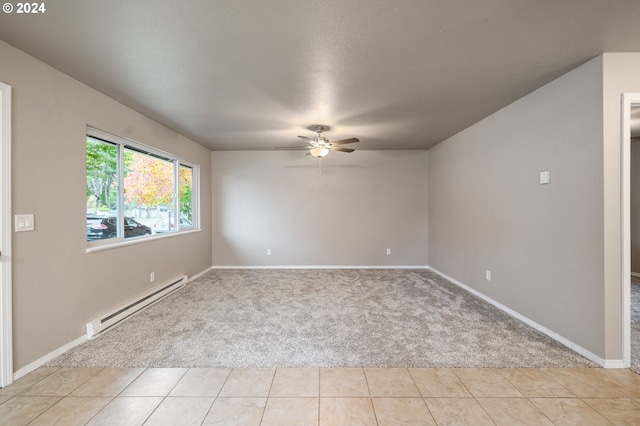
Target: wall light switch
(545, 177)
(24, 222)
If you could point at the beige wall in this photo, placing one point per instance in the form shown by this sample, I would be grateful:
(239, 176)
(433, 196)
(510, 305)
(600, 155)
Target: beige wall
(543, 243)
(621, 75)
(362, 204)
(57, 287)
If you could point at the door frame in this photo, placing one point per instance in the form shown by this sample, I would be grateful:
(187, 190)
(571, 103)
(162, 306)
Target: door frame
(6, 340)
(628, 101)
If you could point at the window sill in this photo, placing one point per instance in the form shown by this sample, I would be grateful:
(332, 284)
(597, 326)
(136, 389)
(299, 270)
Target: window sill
(138, 240)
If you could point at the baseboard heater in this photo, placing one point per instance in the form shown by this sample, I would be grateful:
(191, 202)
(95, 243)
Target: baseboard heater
(107, 320)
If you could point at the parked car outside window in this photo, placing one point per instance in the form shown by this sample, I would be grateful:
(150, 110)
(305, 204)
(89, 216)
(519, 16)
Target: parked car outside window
(162, 226)
(99, 228)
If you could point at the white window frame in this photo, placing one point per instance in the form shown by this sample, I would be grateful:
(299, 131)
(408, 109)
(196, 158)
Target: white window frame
(122, 144)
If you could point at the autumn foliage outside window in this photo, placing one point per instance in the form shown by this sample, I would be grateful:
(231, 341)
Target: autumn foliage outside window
(148, 183)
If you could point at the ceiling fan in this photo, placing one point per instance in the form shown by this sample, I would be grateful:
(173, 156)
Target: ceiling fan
(320, 146)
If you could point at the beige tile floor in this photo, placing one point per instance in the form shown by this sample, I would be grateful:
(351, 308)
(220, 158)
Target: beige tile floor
(325, 396)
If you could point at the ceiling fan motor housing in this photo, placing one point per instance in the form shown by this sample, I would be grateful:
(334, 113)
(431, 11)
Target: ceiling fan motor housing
(319, 128)
(321, 140)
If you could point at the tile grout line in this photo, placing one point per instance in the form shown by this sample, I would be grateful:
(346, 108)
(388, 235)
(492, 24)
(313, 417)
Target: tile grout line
(35, 383)
(217, 395)
(47, 409)
(375, 415)
(319, 394)
(63, 397)
(157, 406)
(476, 398)
(179, 380)
(582, 399)
(115, 396)
(527, 398)
(453, 370)
(542, 370)
(422, 396)
(266, 402)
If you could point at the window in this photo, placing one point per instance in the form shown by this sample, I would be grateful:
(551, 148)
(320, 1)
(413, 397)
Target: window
(135, 191)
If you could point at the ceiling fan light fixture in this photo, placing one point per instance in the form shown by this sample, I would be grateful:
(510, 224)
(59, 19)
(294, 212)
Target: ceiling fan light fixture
(319, 146)
(319, 152)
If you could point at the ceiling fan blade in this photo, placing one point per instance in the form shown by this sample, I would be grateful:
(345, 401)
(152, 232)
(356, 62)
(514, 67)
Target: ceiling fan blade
(306, 138)
(342, 142)
(293, 147)
(635, 139)
(337, 148)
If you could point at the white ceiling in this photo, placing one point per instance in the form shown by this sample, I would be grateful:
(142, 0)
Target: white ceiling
(253, 74)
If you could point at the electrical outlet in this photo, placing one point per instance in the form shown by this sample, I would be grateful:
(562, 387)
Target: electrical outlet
(152, 277)
(268, 252)
(388, 251)
(487, 275)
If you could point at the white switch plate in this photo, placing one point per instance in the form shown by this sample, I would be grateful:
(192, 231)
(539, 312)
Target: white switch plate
(24, 222)
(388, 251)
(487, 275)
(268, 252)
(545, 177)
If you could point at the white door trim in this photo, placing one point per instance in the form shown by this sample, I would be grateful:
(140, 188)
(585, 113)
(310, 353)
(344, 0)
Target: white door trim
(628, 100)
(6, 342)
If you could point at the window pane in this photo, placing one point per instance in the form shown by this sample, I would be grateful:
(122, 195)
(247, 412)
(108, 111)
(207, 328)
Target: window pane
(148, 193)
(102, 189)
(186, 196)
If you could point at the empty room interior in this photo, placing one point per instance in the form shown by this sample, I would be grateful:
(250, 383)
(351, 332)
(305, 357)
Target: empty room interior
(398, 193)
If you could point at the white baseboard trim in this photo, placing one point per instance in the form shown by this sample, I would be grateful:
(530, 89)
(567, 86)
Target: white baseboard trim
(568, 343)
(614, 363)
(322, 267)
(80, 340)
(48, 357)
(199, 274)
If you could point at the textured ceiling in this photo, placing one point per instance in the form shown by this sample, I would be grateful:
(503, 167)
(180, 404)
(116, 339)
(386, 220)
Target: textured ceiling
(253, 74)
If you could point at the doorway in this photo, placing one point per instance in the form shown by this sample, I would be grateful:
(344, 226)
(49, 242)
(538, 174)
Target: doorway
(630, 225)
(6, 347)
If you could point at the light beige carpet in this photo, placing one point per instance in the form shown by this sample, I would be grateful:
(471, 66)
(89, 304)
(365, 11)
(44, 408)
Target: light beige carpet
(322, 318)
